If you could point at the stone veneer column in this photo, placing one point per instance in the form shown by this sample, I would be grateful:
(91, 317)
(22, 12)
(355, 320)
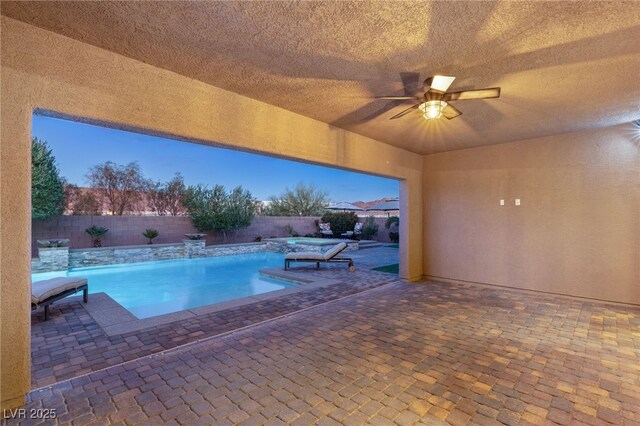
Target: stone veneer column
(194, 248)
(52, 259)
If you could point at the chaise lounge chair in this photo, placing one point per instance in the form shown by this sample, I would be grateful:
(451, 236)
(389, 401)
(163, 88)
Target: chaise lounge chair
(328, 256)
(357, 230)
(45, 292)
(325, 230)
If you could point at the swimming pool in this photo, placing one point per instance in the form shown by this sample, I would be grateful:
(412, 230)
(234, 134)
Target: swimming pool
(155, 288)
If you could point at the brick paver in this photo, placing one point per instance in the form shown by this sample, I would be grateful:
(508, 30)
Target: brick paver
(425, 353)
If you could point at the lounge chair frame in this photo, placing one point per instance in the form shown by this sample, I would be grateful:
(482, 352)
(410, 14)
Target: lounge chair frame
(287, 262)
(348, 260)
(48, 301)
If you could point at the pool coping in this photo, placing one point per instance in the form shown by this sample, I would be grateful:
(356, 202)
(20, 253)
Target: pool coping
(115, 319)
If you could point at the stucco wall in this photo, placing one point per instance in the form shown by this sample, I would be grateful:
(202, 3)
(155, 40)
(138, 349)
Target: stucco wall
(576, 232)
(45, 71)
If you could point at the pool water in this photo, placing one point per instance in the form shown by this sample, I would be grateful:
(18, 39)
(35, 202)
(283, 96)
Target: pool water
(155, 288)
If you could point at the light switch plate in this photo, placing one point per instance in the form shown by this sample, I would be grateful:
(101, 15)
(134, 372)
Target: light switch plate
(502, 202)
(517, 201)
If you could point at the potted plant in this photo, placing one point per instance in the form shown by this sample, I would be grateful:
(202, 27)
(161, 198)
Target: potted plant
(150, 233)
(96, 233)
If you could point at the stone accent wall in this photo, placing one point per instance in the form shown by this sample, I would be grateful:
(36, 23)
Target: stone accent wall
(61, 259)
(128, 254)
(51, 259)
(227, 249)
(194, 248)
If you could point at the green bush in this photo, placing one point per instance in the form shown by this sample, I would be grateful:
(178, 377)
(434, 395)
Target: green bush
(291, 231)
(369, 228)
(150, 233)
(340, 221)
(392, 224)
(215, 209)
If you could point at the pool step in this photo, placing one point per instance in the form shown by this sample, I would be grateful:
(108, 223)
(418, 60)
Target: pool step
(369, 244)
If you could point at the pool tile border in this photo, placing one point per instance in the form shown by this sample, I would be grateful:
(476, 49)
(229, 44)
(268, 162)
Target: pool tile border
(115, 319)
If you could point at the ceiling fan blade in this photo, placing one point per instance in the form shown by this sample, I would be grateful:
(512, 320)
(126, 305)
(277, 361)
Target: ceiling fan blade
(405, 112)
(493, 92)
(410, 82)
(439, 83)
(396, 98)
(451, 112)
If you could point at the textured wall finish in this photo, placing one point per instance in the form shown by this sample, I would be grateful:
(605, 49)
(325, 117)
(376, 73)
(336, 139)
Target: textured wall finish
(44, 70)
(557, 62)
(577, 230)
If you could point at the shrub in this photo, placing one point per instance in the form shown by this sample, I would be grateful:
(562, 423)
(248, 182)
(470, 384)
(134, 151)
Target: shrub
(96, 233)
(340, 222)
(150, 233)
(290, 231)
(213, 209)
(47, 187)
(391, 220)
(392, 224)
(369, 228)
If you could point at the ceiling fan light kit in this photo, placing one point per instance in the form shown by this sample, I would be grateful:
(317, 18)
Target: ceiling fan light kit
(435, 102)
(432, 109)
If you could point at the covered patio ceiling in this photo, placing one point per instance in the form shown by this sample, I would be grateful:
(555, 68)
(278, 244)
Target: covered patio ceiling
(562, 66)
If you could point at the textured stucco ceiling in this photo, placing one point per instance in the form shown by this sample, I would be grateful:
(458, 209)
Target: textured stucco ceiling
(562, 66)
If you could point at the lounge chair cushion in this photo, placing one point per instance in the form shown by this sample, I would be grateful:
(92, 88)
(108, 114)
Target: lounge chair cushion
(334, 250)
(313, 255)
(42, 290)
(304, 255)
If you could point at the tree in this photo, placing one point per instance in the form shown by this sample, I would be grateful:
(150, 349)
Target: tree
(166, 198)
(303, 200)
(121, 186)
(47, 187)
(213, 209)
(81, 201)
(87, 204)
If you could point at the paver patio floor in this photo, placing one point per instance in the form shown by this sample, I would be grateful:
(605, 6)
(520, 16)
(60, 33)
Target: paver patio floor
(426, 353)
(71, 342)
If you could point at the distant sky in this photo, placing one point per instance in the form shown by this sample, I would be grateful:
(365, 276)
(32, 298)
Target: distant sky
(78, 146)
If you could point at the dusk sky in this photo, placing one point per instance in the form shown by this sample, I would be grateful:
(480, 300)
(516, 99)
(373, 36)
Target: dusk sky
(78, 146)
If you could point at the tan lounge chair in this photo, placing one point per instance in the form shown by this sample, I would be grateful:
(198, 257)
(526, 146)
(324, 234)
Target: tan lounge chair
(357, 230)
(325, 230)
(328, 256)
(45, 292)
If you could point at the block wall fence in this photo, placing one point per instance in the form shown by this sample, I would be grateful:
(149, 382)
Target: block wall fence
(127, 230)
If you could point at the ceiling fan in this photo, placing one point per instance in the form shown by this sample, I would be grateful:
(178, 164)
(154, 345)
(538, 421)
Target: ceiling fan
(436, 100)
